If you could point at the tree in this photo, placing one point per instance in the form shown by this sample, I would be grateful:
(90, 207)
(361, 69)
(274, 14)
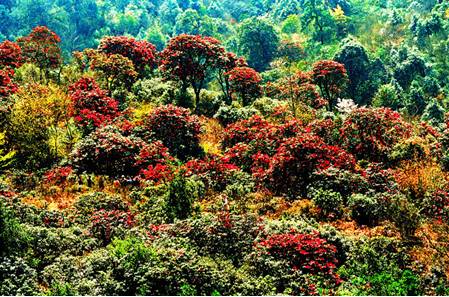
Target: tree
(90, 107)
(7, 87)
(317, 19)
(190, 22)
(331, 77)
(191, 59)
(41, 48)
(116, 70)
(245, 81)
(142, 53)
(258, 41)
(226, 63)
(10, 55)
(177, 129)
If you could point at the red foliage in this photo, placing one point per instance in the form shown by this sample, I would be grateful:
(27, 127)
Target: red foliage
(7, 87)
(90, 106)
(58, 175)
(437, 205)
(214, 170)
(177, 128)
(191, 59)
(10, 55)
(308, 253)
(104, 224)
(251, 141)
(331, 77)
(41, 48)
(142, 53)
(290, 169)
(245, 81)
(225, 64)
(153, 158)
(370, 133)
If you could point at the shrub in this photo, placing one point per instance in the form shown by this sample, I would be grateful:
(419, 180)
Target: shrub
(107, 151)
(329, 202)
(89, 203)
(372, 133)
(142, 53)
(182, 194)
(365, 210)
(155, 90)
(436, 205)
(403, 213)
(215, 172)
(290, 169)
(18, 277)
(331, 77)
(229, 114)
(13, 237)
(341, 181)
(306, 253)
(10, 55)
(245, 81)
(91, 108)
(177, 129)
(106, 225)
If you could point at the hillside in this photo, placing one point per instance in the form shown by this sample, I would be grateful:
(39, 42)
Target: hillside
(200, 147)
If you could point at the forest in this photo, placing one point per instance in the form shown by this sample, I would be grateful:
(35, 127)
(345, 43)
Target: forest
(224, 147)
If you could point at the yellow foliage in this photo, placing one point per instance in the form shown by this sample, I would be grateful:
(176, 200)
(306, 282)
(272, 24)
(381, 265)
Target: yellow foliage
(141, 111)
(338, 14)
(211, 135)
(446, 14)
(38, 119)
(420, 177)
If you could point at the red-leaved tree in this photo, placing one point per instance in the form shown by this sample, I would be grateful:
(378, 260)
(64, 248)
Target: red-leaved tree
(10, 55)
(41, 47)
(245, 82)
(226, 63)
(332, 78)
(90, 106)
(7, 87)
(142, 53)
(191, 60)
(371, 133)
(178, 130)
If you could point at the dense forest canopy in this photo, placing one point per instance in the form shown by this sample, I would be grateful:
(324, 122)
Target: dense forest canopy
(206, 147)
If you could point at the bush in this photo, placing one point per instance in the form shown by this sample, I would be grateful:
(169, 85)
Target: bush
(371, 134)
(378, 266)
(155, 90)
(106, 225)
(229, 114)
(17, 277)
(177, 129)
(290, 169)
(13, 237)
(341, 181)
(182, 193)
(245, 82)
(107, 151)
(365, 210)
(436, 205)
(329, 202)
(91, 108)
(89, 203)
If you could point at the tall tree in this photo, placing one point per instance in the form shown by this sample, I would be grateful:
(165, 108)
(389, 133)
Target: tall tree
(191, 59)
(258, 41)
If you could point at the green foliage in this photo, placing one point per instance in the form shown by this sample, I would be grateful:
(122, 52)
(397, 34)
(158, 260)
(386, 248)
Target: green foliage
(13, 237)
(365, 209)
(258, 42)
(182, 193)
(329, 202)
